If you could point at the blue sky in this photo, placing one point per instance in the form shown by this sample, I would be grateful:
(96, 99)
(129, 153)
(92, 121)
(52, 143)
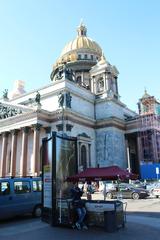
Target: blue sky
(34, 32)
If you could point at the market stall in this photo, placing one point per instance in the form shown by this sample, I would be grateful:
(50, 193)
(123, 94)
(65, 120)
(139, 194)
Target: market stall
(102, 174)
(107, 214)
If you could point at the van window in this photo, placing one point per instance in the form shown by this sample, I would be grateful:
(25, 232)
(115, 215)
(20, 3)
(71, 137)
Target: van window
(4, 188)
(22, 187)
(37, 186)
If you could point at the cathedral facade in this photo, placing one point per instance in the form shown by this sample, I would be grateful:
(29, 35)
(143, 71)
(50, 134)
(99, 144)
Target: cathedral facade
(81, 101)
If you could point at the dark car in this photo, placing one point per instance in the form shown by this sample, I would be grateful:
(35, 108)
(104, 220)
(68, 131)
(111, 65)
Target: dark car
(127, 191)
(138, 184)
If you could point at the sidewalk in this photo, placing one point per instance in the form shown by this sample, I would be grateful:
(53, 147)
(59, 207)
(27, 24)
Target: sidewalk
(147, 221)
(137, 228)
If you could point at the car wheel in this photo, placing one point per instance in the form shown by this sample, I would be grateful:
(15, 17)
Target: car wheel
(37, 212)
(135, 196)
(109, 195)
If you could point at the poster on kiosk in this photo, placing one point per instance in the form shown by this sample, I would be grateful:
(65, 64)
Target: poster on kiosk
(59, 160)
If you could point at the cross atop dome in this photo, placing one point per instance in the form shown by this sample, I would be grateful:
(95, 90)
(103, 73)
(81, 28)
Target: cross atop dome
(82, 30)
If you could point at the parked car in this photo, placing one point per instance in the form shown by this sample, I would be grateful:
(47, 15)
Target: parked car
(105, 185)
(127, 191)
(156, 190)
(150, 186)
(138, 183)
(19, 196)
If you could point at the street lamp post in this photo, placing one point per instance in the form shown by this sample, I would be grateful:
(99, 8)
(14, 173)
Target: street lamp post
(128, 160)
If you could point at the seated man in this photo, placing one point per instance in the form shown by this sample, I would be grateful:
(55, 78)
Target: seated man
(78, 205)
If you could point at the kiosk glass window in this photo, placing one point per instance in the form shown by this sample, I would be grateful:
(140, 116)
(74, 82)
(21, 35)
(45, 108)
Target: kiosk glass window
(65, 164)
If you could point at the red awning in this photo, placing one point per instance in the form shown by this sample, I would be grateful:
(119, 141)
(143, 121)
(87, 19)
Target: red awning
(102, 174)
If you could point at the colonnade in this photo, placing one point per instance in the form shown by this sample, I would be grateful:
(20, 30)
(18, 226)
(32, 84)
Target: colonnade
(8, 165)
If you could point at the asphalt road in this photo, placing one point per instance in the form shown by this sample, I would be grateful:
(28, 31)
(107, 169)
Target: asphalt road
(143, 223)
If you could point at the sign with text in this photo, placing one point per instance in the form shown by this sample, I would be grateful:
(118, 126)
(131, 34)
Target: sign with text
(157, 170)
(47, 174)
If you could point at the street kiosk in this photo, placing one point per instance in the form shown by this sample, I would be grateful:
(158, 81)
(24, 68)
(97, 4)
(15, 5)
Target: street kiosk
(59, 160)
(59, 169)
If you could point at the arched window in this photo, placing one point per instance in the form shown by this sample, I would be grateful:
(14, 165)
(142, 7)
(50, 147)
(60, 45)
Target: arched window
(84, 157)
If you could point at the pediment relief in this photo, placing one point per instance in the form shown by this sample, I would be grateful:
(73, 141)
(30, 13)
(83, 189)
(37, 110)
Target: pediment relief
(7, 110)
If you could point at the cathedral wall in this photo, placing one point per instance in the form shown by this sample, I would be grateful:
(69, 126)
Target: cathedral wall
(53, 126)
(110, 147)
(50, 103)
(82, 99)
(82, 106)
(82, 130)
(108, 109)
(44, 92)
(78, 104)
(79, 129)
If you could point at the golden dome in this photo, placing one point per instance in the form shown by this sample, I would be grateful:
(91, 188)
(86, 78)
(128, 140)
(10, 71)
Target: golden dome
(81, 44)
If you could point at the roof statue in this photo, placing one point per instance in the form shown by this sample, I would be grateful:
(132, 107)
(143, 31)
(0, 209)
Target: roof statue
(61, 99)
(38, 98)
(68, 100)
(62, 72)
(5, 94)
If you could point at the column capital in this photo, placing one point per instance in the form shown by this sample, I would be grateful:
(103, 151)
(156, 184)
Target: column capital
(69, 127)
(25, 129)
(47, 129)
(14, 132)
(37, 126)
(59, 127)
(5, 134)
